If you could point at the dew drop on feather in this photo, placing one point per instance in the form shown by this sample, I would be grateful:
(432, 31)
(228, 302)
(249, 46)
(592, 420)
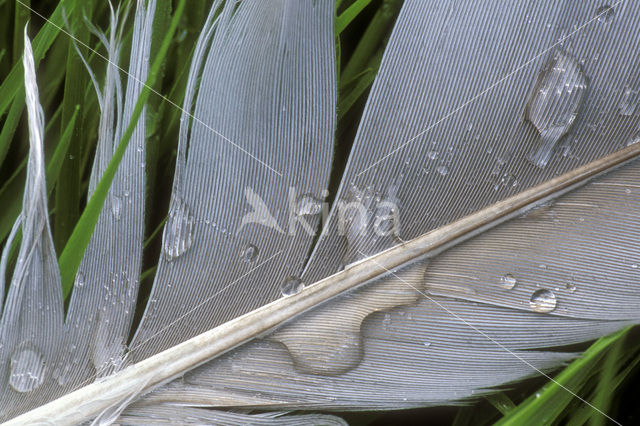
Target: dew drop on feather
(177, 236)
(27, 370)
(543, 301)
(554, 103)
(508, 282)
(291, 286)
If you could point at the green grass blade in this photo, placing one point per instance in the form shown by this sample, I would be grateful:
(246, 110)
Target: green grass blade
(549, 403)
(57, 164)
(350, 14)
(68, 196)
(79, 240)
(41, 43)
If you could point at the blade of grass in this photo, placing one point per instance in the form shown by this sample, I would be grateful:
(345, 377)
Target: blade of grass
(350, 14)
(20, 17)
(11, 86)
(11, 192)
(76, 245)
(548, 404)
(68, 195)
(501, 402)
(603, 395)
(377, 29)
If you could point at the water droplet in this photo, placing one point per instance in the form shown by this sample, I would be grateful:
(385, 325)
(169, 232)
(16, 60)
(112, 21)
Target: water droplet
(635, 138)
(249, 253)
(605, 14)
(177, 235)
(629, 101)
(27, 369)
(79, 280)
(508, 282)
(443, 170)
(427, 344)
(634, 266)
(543, 301)
(291, 286)
(554, 103)
(308, 205)
(571, 287)
(116, 207)
(386, 322)
(432, 155)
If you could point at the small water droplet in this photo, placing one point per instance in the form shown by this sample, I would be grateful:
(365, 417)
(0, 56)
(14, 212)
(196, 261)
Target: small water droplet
(508, 282)
(177, 235)
(571, 287)
(79, 280)
(543, 301)
(27, 369)
(543, 266)
(386, 322)
(554, 103)
(634, 139)
(629, 101)
(443, 170)
(249, 253)
(308, 205)
(427, 344)
(634, 266)
(116, 207)
(291, 286)
(432, 155)
(605, 14)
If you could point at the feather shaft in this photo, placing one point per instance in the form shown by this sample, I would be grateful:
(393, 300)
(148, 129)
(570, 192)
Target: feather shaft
(89, 401)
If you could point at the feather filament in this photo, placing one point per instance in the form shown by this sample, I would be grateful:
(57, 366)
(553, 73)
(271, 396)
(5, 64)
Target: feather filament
(31, 329)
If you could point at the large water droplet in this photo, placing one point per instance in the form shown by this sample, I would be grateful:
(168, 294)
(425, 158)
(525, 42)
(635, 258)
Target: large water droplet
(554, 103)
(508, 282)
(308, 205)
(629, 101)
(27, 370)
(543, 301)
(249, 253)
(291, 286)
(177, 236)
(605, 14)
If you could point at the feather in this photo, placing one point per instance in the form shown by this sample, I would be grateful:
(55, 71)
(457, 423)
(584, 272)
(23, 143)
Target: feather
(486, 216)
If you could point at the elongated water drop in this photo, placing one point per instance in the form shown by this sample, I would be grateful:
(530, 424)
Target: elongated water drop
(629, 101)
(554, 103)
(27, 369)
(116, 207)
(177, 236)
(249, 253)
(291, 286)
(307, 205)
(543, 301)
